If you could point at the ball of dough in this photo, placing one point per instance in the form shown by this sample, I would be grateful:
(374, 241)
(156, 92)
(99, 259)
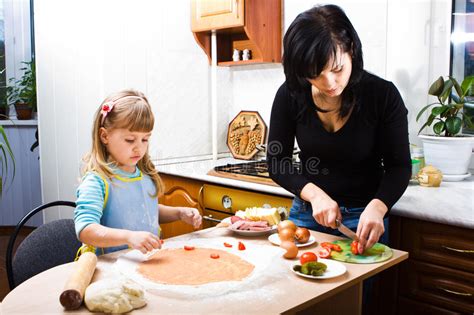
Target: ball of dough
(114, 296)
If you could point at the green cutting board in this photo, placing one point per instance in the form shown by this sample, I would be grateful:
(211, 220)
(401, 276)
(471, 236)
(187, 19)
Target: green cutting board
(378, 252)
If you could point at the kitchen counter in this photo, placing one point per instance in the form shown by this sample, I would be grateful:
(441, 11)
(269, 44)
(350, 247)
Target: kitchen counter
(452, 203)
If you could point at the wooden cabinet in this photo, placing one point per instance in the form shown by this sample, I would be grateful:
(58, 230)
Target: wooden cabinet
(216, 14)
(439, 275)
(239, 24)
(182, 192)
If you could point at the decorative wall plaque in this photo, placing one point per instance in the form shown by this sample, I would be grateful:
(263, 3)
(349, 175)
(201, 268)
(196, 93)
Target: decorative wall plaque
(246, 131)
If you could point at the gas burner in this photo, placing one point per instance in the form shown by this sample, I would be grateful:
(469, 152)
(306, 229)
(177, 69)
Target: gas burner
(247, 170)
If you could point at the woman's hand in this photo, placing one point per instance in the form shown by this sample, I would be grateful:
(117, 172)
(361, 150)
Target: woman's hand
(190, 216)
(143, 241)
(370, 226)
(325, 210)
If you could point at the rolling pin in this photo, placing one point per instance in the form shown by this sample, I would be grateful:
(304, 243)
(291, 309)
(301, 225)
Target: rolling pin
(73, 293)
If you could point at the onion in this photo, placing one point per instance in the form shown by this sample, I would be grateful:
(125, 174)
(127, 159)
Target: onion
(291, 249)
(302, 235)
(287, 235)
(286, 224)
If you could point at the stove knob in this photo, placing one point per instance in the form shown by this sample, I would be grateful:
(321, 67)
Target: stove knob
(226, 202)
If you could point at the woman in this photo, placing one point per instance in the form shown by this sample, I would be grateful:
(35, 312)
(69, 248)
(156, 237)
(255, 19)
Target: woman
(350, 125)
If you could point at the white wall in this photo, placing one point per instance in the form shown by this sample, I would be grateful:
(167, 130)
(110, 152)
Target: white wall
(88, 49)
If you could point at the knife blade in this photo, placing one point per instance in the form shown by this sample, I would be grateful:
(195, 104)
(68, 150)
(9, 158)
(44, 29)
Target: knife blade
(346, 231)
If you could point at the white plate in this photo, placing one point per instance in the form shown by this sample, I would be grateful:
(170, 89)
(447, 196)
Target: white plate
(334, 269)
(455, 178)
(275, 239)
(250, 233)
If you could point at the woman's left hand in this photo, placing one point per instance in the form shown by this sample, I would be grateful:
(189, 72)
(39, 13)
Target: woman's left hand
(190, 216)
(370, 226)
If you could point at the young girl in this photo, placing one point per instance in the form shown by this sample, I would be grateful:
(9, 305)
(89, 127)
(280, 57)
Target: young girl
(117, 201)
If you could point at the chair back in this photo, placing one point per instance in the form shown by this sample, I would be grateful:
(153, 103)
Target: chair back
(49, 245)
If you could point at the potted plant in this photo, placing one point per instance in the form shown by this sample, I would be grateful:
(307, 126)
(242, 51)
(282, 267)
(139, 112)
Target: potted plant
(25, 92)
(447, 149)
(6, 153)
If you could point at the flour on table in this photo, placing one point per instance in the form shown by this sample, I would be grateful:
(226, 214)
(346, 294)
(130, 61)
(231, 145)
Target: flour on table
(267, 260)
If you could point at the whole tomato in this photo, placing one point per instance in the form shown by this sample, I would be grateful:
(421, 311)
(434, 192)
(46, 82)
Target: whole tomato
(307, 257)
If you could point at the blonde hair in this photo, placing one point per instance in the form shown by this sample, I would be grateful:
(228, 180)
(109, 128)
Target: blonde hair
(131, 111)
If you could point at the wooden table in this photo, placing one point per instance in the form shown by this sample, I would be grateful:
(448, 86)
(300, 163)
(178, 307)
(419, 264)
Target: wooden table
(292, 294)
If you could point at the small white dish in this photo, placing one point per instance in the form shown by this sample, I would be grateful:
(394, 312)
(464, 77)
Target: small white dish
(455, 178)
(334, 269)
(275, 240)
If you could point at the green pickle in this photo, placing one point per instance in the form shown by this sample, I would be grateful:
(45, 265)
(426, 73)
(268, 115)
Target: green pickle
(313, 268)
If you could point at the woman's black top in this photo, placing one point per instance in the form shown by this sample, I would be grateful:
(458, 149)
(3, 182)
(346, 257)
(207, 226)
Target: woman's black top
(369, 157)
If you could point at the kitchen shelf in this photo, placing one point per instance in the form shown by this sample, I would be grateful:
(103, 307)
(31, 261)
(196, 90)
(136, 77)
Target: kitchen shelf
(261, 34)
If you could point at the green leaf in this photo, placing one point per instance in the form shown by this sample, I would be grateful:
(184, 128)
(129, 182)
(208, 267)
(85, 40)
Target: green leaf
(467, 85)
(438, 110)
(457, 87)
(453, 125)
(424, 109)
(427, 123)
(468, 121)
(437, 87)
(448, 86)
(438, 128)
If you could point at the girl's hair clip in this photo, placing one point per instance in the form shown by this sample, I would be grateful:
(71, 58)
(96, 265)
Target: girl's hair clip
(106, 108)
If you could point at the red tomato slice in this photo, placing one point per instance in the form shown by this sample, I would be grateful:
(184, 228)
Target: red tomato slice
(214, 256)
(324, 252)
(227, 245)
(241, 246)
(307, 257)
(186, 247)
(355, 247)
(162, 241)
(332, 246)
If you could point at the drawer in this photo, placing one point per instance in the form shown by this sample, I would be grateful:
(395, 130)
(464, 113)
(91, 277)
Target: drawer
(440, 244)
(411, 307)
(230, 200)
(437, 285)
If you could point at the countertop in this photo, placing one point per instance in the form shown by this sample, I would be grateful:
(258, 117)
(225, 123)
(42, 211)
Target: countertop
(452, 203)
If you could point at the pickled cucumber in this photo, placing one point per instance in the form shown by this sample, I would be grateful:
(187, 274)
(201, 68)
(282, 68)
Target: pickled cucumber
(313, 268)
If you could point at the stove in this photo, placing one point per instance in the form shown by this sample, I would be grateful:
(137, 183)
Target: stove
(254, 171)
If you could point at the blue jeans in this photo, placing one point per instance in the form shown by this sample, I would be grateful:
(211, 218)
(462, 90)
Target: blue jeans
(301, 213)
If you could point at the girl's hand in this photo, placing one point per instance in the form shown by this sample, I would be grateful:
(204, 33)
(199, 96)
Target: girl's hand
(325, 210)
(190, 216)
(143, 241)
(370, 226)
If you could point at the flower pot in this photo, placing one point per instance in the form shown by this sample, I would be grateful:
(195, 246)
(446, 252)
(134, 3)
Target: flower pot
(451, 155)
(4, 112)
(23, 111)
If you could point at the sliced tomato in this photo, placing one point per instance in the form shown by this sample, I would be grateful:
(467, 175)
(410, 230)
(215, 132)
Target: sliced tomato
(227, 244)
(187, 247)
(307, 257)
(215, 256)
(324, 252)
(355, 247)
(241, 246)
(162, 241)
(332, 246)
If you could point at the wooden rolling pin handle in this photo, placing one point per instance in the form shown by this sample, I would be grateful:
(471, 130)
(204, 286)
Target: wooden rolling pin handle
(73, 293)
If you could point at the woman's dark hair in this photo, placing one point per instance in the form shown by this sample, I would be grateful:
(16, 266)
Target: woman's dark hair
(312, 40)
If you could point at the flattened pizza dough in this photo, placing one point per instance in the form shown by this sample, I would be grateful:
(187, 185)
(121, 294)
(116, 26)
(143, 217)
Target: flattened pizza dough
(194, 267)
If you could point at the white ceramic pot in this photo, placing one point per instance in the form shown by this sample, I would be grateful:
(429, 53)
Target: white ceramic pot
(451, 155)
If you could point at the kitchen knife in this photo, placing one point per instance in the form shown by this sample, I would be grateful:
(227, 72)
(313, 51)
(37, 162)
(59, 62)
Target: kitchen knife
(346, 231)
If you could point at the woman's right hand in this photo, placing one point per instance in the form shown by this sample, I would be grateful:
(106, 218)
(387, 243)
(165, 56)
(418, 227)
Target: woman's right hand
(325, 210)
(143, 241)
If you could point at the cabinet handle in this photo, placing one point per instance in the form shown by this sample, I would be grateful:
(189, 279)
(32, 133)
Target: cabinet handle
(237, 7)
(468, 251)
(455, 292)
(200, 194)
(210, 218)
